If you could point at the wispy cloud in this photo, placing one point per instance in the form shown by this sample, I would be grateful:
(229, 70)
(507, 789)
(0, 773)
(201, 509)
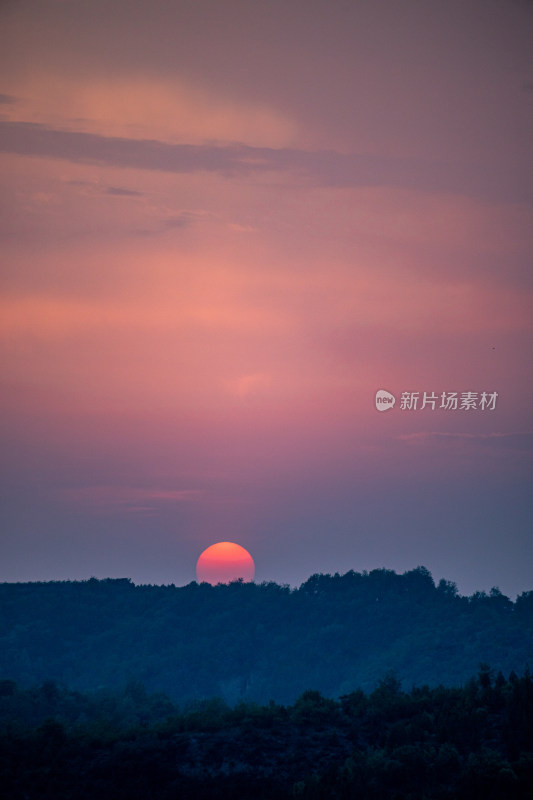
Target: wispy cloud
(174, 222)
(523, 439)
(120, 192)
(128, 498)
(322, 167)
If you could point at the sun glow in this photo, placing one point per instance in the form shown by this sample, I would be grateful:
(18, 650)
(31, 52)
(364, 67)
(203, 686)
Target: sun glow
(224, 562)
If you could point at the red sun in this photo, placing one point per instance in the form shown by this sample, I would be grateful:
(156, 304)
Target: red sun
(224, 562)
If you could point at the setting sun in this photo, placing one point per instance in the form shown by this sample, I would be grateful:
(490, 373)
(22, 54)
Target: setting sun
(224, 562)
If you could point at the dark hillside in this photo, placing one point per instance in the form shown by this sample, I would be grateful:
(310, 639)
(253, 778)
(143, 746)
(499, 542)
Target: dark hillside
(333, 634)
(463, 743)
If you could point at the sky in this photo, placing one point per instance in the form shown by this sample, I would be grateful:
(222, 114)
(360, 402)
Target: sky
(225, 226)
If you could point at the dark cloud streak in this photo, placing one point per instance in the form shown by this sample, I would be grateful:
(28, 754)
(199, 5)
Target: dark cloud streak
(117, 191)
(325, 167)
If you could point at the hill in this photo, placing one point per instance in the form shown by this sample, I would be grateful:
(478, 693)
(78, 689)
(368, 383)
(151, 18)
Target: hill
(470, 743)
(333, 634)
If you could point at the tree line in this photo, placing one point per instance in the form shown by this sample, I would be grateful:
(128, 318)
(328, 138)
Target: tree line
(473, 742)
(246, 641)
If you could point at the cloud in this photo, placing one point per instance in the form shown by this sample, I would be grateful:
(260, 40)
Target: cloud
(179, 220)
(7, 99)
(141, 107)
(175, 222)
(516, 439)
(322, 168)
(128, 498)
(120, 192)
(96, 188)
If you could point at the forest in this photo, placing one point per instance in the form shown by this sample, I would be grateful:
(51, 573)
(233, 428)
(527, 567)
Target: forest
(259, 642)
(363, 685)
(443, 743)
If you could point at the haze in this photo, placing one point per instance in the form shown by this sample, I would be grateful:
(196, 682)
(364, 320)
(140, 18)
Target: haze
(224, 227)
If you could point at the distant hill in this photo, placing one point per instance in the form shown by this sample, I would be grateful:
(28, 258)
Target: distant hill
(260, 641)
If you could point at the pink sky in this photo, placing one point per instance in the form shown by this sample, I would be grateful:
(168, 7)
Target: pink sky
(224, 226)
